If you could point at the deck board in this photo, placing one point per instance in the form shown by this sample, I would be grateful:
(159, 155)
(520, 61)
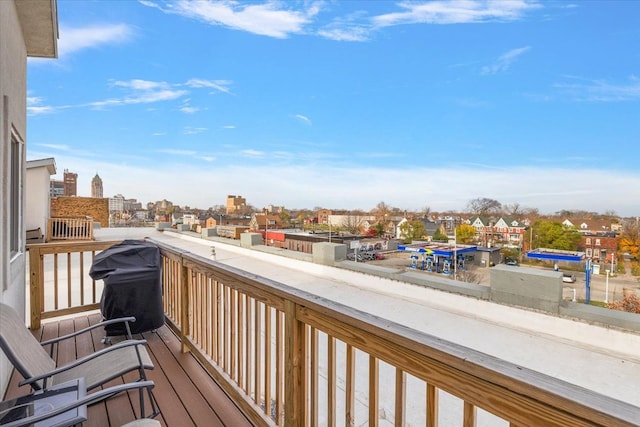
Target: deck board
(185, 392)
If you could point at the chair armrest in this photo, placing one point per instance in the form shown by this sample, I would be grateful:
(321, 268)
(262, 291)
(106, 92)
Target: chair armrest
(87, 329)
(90, 399)
(82, 360)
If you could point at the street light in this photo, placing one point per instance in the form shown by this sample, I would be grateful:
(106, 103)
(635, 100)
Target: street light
(266, 228)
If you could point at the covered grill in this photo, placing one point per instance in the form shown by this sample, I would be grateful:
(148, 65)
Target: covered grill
(132, 275)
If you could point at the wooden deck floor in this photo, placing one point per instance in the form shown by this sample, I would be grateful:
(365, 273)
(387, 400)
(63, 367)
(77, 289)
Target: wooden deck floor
(186, 393)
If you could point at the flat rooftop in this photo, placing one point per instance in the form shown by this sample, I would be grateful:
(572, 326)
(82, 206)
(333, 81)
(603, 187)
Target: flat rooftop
(601, 359)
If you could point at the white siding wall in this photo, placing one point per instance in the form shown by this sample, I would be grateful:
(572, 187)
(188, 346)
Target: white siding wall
(13, 64)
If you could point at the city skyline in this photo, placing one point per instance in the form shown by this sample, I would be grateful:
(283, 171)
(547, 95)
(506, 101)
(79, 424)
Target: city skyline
(346, 104)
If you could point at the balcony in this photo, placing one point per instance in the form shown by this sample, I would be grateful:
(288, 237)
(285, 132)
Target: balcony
(262, 353)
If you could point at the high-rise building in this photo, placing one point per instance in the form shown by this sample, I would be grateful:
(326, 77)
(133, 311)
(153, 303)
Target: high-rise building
(96, 187)
(70, 183)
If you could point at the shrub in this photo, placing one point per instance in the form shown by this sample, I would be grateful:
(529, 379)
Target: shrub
(630, 304)
(635, 268)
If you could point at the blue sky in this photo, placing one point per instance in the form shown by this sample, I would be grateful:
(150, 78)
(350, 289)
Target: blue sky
(344, 104)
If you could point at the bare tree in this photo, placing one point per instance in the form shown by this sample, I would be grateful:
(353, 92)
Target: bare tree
(483, 206)
(352, 224)
(381, 211)
(426, 211)
(467, 276)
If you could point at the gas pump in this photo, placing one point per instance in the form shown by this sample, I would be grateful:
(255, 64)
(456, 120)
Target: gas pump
(446, 267)
(414, 261)
(429, 266)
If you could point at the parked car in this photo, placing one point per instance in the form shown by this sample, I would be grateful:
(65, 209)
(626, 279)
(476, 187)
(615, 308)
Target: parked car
(353, 257)
(380, 256)
(568, 277)
(369, 256)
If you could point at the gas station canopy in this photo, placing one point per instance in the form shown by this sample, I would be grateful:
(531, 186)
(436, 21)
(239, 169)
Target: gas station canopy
(439, 249)
(556, 255)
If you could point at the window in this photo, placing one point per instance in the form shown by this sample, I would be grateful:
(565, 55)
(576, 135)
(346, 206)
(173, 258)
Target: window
(597, 242)
(588, 252)
(15, 193)
(588, 240)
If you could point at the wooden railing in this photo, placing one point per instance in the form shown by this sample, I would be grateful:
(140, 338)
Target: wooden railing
(66, 288)
(69, 229)
(291, 358)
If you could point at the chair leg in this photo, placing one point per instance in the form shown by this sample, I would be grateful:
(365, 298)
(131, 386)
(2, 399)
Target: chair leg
(155, 409)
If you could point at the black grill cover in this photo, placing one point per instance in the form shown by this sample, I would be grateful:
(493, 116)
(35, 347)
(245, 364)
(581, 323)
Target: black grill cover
(132, 275)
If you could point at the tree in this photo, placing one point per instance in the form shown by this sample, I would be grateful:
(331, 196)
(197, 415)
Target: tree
(483, 206)
(629, 239)
(426, 211)
(285, 219)
(379, 229)
(352, 224)
(382, 210)
(439, 236)
(410, 231)
(465, 233)
(555, 235)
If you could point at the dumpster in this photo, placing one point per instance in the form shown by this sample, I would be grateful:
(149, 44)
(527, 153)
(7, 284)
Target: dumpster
(132, 275)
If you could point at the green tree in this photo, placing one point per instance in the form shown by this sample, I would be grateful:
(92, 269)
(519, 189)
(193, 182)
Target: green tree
(439, 236)
(410, 231)
(465, 233)
(285, 219)
(555, 235)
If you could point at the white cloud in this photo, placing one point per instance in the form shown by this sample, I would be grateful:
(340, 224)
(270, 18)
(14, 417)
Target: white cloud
(219, 85)
(177, 152)
(504, 61)
(75, 39)
(193, 131)
(189, 110)
(600, 90)
(443, 188)
(272, 18)
(60, 147)
(253, 153)
(456, 12)
(303, 119)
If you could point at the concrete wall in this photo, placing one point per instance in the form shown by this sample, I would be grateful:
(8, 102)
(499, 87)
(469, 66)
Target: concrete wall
(591, 314)
(247, 240)
(526, 287)
(326, 253)
(37, 197)
(209, 232)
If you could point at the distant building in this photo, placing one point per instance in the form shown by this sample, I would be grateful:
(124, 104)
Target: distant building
(116, 204)
(70, 183)
(131, 205)
(56, 188)
(323, 216)
(96, 187)
(235, 204)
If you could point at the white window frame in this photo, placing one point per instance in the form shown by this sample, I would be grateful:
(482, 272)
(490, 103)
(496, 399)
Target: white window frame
(16, 183)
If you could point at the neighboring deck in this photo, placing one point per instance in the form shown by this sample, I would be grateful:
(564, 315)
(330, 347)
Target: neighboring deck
(186, 393)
